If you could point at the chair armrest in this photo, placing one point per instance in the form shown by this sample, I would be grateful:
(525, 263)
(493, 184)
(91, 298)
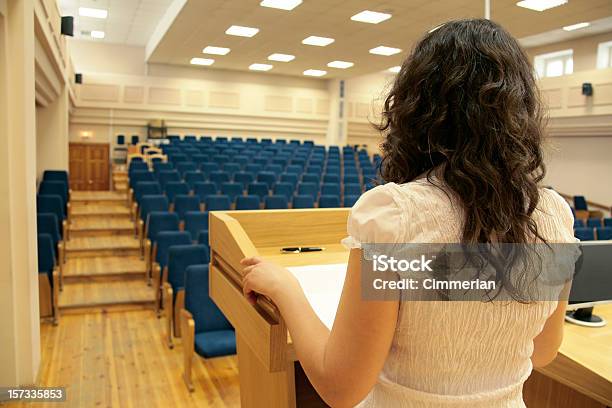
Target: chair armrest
(133, 210)
(61, 259)
(65, 230)
(169, 312)
(56, 283)
(68, 211)
(188, 330)
(130, 194)
(140, 231)
(156, 277)
(147, 257)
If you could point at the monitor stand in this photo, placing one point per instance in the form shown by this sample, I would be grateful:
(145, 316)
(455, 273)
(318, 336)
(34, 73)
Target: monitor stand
(585, 317)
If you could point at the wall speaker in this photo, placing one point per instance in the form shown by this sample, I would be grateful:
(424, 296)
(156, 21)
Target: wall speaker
(68, 25)
(78, 78)
(587, 89)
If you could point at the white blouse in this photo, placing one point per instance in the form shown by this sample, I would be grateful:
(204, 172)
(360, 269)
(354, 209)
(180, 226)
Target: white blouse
(451, 354)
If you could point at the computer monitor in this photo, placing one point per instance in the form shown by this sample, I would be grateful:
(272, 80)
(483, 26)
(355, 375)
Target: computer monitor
(592, 284)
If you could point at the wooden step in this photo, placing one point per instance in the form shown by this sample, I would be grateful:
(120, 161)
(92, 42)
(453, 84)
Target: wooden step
(99, 211)
(101, 268)
(97, 197)
(82, 297)
(102, 246)
(93, 227)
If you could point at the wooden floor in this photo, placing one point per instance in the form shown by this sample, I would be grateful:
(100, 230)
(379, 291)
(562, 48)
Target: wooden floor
(107, 349)
(118, 360)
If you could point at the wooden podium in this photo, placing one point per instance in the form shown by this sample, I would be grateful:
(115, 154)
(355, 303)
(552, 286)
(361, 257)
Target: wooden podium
(270, 375)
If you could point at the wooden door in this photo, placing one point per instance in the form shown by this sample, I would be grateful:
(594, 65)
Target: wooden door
(89, 166)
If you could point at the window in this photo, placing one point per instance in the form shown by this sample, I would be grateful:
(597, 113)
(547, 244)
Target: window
(554, 64)
(604, 55)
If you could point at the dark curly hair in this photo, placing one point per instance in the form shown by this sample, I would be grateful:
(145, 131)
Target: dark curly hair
(466, 101)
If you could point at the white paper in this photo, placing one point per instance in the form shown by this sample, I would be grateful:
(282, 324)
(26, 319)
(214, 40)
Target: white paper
(322, 285)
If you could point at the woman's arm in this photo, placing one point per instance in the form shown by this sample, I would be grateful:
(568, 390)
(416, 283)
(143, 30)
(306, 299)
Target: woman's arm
(547, 343)
(343, 364)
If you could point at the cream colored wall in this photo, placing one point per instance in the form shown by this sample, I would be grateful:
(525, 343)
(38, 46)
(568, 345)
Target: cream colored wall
(20, 334)
(585, 50)
(52, 135)
(92, 56)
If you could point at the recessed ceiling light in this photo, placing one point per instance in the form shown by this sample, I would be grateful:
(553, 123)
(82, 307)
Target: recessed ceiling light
(215, 50)
(241, 31)
(281, 57)
(314, 72)
(395, 69)
(340, 64)
(93, 12)
(260, 67)
(382, 50)
(576, 26)
(318, 41)
(202, 61)
(540, 5)
(372, 17)
(97, 34)
(281, 4)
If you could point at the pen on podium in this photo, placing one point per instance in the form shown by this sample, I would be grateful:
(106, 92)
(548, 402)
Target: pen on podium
(297, 250)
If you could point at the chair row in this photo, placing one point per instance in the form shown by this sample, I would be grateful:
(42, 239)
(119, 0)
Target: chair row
(592, 234)
(593, 223)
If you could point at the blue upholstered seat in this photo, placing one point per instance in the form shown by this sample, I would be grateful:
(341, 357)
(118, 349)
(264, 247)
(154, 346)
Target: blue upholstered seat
(594, 222)
(46, 255)
(204, 189)
(159, 221)
(349, 200)
(584, 234)
(604, 233)
(303, 201)
(258, 188)
(195, 221)
(352, 189)
(248, 202)
(173, 188)
(330, 189)
(276, 202)
(267, 177)
(214, 335)
(51, 204)
(162, 166)
(149, 203)
(218, 202)
(167, 239)
(329, 201)
(56, 175)
(166, 176)
(244, 178)
(192, 177)
(137, 166)
(580, 203)
(203, 237)
(232, 190)
(284, 188)
(607, 222)
(182, 256)
(184, 203)
(311, 189)
(140, 175)
(59, 188)
(184, 167)
(143, 188)
(578, 223)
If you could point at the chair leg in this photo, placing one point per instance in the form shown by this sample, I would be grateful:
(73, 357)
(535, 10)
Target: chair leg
(55, 298)
(169, 312)
(188, 329)
(157, 286)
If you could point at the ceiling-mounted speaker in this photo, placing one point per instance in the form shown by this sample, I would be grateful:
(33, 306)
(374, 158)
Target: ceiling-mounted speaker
(587, 89)
(78, 78)
(68, 25)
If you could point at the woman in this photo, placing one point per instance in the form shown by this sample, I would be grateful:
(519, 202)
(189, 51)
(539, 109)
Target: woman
(462, 161)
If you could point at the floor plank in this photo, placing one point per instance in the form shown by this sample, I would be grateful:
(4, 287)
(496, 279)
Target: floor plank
(100, 266)
(101, 243)
(111, 292)
(118, 360)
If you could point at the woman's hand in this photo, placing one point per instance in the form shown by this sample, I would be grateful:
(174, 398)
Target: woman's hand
(266, 278)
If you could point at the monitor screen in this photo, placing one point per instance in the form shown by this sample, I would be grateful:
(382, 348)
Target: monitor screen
(592, 282)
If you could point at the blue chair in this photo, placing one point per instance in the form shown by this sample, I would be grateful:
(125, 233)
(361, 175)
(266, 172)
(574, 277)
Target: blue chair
(258, 188)
(204, 328)
(184, 167)
(253, 168)
(195, 222)
(205, 189)
(59, 188)
(607, 222)
(276, 202)
(330, 189)
(174, 188)
(164, 241)
(166, 176)
(352, 189)
(274, 169)
(578, 223)
(140, 175)
(143, 188)
(331, 178)
(192, 177)
(135, 139)
(184, 203)
(289, 178)
(48, 278)
(307, 188)
(329, 201)
(157, 221)
(232, 190)
(267, 177)
(351, 179)
(604, 233)
(311, 178)
(285, 189)
(148, 204)
(203, 237)
(179, 258)
(584, 234)
(248, 202)
(231, 168)
(137, 166)
(349, 200)
(53, 204)
(244, 178)
(594, 222)
(580, 203)
(162, 166)
(219, 177)
(294, 169)
(218, 202)
(56, 175)
(47, 223)
(303, 201)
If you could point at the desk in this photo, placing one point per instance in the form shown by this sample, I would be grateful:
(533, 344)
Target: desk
(271, 376)
(581, 375)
